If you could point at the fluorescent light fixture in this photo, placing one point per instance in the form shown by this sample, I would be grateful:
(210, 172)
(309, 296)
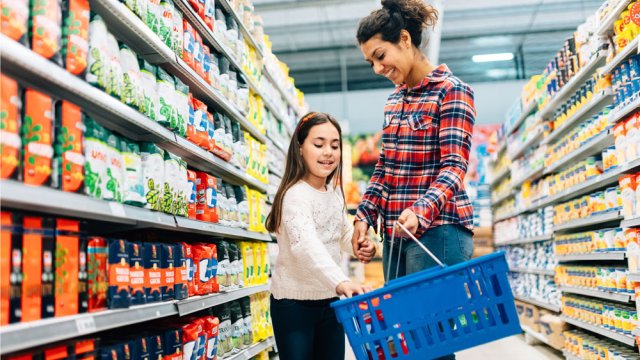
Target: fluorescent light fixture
(492, 57)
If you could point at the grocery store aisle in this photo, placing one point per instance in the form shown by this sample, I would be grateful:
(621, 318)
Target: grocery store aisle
(498, 350)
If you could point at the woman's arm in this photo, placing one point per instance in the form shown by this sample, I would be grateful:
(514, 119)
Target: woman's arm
(368, 208)
(457, 116)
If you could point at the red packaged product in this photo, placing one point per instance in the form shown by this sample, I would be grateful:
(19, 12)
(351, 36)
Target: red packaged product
(201, 125)
(11, 268)
(197, 55)
(198, 7)
(190, 338)
(206, 209)
(188, 255)
(193, 195)
(213, 269)
(211, 324)
(202, 255)
(98, 275)
(207, 55)
(188, 44)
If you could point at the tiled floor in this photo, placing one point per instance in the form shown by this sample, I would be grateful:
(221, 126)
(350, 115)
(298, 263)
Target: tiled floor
(509, 348)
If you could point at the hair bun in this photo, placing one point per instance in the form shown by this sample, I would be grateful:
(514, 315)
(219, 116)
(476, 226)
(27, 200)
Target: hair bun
(391, 5)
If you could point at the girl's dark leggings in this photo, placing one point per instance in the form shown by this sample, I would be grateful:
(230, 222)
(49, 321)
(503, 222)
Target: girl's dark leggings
(307, 330)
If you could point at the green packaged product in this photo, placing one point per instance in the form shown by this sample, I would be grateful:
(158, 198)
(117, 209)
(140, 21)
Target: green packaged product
(165, 24)
(95, 167)
(166, 95)
(184, 190)
(115, 77)
(112, 186)
(149, 104)
(132, 94)
(152, 174)
(98, 63)
(139, 7)
(154, 14)
(171, 182)
(182, 108)
(133, 184)
(178, 33)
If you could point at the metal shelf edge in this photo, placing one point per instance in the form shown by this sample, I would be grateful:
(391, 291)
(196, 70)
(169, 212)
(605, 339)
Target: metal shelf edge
(541, 304)
(253, 350)
(532, 175)
(623, 112)
(533, 271)
(612, 256)
(523, 116)
(628, 51)
(607, 24)
(607, 295)
(629, 223)
(625, 339)
(195, 304)
(537, 136)
(526, 241)
(206, 228)
(227, 6)
(535, 334)
(594, 145)
(590, 221)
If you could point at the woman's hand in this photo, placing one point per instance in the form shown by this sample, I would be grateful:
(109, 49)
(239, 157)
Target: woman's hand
(410, 221)
(348, 289)
(359, 239)
(366, 252)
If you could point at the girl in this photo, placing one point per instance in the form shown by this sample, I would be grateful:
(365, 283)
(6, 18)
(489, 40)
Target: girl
(310, 222)
(428, 122)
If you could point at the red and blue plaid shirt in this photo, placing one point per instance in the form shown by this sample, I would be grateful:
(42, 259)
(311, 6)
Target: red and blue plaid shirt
(425, 152)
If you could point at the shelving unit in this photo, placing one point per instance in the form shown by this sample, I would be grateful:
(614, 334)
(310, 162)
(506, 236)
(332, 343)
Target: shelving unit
(592, 220)
(592, 147)
(532, 139)
(604, 256)
(554, 308)
(526, 240)
(617, 115)
(629, 223)
(533, 271)
(243, 28)
(606, 25)
(523, 116)
(501, 175)
(625, 339)
(623, 55)
(253, 350)
(606, 295)
(535, 334)
(502, 198)
(22, 336)
(530, 176)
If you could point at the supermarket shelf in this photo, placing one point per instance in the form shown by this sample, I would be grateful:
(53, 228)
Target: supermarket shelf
(198, 303)
(123, 23)
(523, 116)
(606, 25)
(569, 356)
(501, 175)
(606, 295)
(31, 334)
(571, 86)
(623, 55)
(625, 339)
(616, 116)
(554, 308)
(533, 271)
(592, 220)
(531, 176)
(253, 350)
(634, 277)
(594, 106)
(267, 73)
(279, 145)
(245, 32)
(534, 334)
(629, 223)
(636, 331)
(591, 147)
(51, 201)
(526, 240)
(502, 198)
(528, 144)
(507, 216)
(275, 172)
(205, 228)
(603, 256)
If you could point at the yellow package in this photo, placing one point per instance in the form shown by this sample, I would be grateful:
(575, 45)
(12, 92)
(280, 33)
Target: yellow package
(248, 263)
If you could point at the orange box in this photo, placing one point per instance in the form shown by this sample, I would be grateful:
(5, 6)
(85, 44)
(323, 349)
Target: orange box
(67, 267)
(37, 138)
(32, 269)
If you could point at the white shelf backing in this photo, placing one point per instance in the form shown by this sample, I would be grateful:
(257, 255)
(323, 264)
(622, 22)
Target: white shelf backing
(523, 116)
(606, 25)
(623, 55)
(618, 115)
(593, 146)
(245, 32)
(554, 308)
(253, 350)
(533, 271)
(51, 201)
(572, 85)
(499, 176)
(16, 337)
(630, 223)
(125, 25)
(625, 339)
(526, 240)
(592, 220)
(604, 256)
(535, 334)
(528, 144)
(25, 66)
(594, 106)
(606, 295)
(531, 176)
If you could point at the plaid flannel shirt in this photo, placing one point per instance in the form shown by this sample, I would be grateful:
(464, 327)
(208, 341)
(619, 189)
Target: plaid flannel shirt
(425, 152)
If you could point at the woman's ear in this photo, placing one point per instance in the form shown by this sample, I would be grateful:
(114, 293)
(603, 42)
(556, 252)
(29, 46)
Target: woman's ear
(405, 39)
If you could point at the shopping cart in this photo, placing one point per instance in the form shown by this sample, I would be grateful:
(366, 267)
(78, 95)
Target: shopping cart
(433, 312)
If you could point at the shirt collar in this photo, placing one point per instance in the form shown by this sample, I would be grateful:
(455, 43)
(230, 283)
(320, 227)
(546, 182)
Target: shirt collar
(439, 74)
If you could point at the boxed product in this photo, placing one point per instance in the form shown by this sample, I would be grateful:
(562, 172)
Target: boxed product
(153, 272)
(97, 253)
(119, 281)
(552, 327)
(531, 317)
(67, 267)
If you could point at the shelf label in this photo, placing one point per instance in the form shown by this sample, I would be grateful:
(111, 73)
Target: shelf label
(117, 209)
(86, 325)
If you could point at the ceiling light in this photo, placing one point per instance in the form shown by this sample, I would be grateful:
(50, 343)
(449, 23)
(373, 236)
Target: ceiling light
(492, 57)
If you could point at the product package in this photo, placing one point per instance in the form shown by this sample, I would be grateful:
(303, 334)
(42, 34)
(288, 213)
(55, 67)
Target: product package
(11, 106)
(95, 167)
(168, 279)
(36, 231)
(37, 138)
(119, 294)
(67, 267)
(153, 175)
(188, 255)
(46, 29)
(97, 253)
(206, 209)
(137, 274)
(68, 162)
(192, 194)
(181, 287)
(11, 275)
(153, 278)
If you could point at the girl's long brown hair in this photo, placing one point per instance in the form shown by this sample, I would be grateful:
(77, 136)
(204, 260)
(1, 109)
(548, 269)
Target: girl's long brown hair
(295, 169)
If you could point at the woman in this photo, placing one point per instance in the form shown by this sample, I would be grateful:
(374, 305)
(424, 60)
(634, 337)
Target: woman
(428, 123)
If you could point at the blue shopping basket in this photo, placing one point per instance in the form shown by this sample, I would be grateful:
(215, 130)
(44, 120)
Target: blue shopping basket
(433, 312)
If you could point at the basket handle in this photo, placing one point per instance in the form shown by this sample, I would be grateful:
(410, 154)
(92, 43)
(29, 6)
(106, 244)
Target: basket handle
(412, 237)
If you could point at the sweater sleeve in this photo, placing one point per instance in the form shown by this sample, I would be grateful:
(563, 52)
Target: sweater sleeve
(346, 235)
(306, 246)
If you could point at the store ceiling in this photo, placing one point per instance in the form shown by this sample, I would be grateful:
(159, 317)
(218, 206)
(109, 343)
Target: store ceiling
(315, 36)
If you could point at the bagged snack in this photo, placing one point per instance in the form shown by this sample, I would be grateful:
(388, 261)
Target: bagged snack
(248, 264)
(178, 34)
(10, 140)
(182, 107)
(243, 206)
(232, 206)
(219, 135)
(132, 93)
(238, 328)
(245, 304)
(224, 266)
(188, 44)
(67, 251)
(165, 25)
(37, 130)
(150, 100)
(206, 206)
(153, 272)
(190, 339)
(136, 274)
(171, 180)
(222, 201)
(202, 255)
(153, 175)
(75, 40)
(211, 133)
(202, 339)
(46, 29)
(115, 76)
(198, 55)
(206, 63)
(15, 20)
(192, 193)
(200, 125)
(214, 75)
(235, 265)
(133, 186)
(139, 348)
(98, 62)
(212, 269)
(208, 12)
(97, 253)
(181, 276)
(139, 7)
(95, 167)
(47, 266)
(119, 295)
(211, 328)
(113, 184)
(167, 261)
(154, 15)
(184, 189)
(155, 344)
(68, 161)
(166, 93)
(225, 330)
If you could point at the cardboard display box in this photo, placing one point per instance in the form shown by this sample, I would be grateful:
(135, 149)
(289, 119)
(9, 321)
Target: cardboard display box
(552, 327)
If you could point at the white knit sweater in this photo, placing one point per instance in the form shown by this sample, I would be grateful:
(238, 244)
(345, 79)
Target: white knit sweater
(314, 229)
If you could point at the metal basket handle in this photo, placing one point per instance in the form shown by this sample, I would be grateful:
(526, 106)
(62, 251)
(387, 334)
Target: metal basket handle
(412, 237)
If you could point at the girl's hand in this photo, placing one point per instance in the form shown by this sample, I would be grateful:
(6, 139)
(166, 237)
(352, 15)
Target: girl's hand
(359, 236)
(409, 219)
(348, 289)
(366, 252)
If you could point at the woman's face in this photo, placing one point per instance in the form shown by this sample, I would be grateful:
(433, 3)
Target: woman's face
(387, 59)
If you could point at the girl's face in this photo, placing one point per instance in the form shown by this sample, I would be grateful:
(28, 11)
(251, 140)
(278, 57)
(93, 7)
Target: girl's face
(393, 61)
(321, 153)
